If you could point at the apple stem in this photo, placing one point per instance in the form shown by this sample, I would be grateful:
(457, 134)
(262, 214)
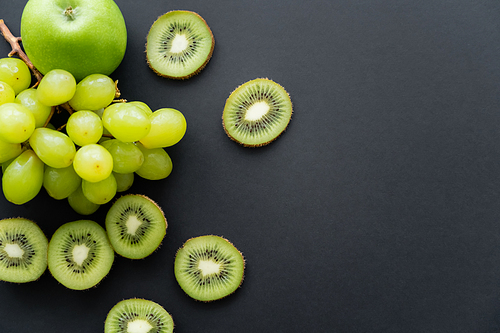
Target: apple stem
(16, 49)
(69, 13)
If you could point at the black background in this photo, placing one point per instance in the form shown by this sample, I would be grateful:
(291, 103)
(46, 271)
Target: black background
(378, 210)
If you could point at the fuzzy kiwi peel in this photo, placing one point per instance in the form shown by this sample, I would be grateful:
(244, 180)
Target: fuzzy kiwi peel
(23, 250)
(79, 254)
(257, 112)
(138, 315)
(136, 226)
(179, 44)
(209, 268)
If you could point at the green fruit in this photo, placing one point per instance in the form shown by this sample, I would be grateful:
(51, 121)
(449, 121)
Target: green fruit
(23, 250)
(81, 37)
(16, 73)
(80, 204)
(138, 315)
(40, 111)
(257, 112)
(157, 163)
(136, 226)
(79, 254)
(208, 268)
(23, 178)
(179, 44)
(168, 127)
(61, 182)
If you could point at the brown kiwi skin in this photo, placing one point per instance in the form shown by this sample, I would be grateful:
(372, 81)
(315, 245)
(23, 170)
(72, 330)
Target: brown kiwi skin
(202, 66)
(264, 143)
(242, 257)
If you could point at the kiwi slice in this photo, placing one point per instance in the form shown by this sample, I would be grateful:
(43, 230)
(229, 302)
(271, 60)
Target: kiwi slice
(23, 250)
(209, 267)
(140, 316)
(79, 254)
(135, 225)
(179, 44)
(257, 112)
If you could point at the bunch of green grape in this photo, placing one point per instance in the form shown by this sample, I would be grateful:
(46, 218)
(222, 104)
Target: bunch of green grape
(96, 154)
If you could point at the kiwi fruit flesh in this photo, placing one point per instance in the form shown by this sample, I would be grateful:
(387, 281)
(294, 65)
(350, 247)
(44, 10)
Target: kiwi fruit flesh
(209, 268)
(79, 254)
(179, 44)
(257, 112)
(135, 225)
(139, 316)
(23, 250)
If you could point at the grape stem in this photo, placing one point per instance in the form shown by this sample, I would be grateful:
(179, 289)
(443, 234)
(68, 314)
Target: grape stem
(16, 49)
(52, 110)
(67, 107)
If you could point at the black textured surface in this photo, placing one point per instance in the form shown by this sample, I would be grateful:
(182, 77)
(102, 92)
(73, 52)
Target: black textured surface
(378, 210)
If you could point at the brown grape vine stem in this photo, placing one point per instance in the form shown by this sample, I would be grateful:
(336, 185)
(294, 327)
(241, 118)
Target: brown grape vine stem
(17, 50)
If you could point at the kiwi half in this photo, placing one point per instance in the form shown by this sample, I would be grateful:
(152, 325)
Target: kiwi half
(209, 267)
(257, 112)
(179, 44)
(138, 315)
(23, 250)
(135, 225)
(79, 254)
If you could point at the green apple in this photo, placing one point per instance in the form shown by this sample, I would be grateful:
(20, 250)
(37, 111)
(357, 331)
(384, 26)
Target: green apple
(82, 37)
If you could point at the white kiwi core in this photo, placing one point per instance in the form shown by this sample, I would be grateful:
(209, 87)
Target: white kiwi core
(138, 326)
(208, 267)
(80, 253)
(256, 111)
(132, 224)
(14, 250)
(179, 44)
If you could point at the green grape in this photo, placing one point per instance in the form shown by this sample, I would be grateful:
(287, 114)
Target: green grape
(56, 87)
(28, 99)
(124, 181)
(53, 147)
(126, 122)
(100, 192)
(94, 92)
(93, 163)
(100, 112)
(17, 123)
(23, 178)
(16, 73)
(157, 163)
(60, 182)
(126, 156)
(7, 163)
(7, 93)
(81, 204)
(9, 150)
(84, 127)
(143, 106)
(168, 127)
